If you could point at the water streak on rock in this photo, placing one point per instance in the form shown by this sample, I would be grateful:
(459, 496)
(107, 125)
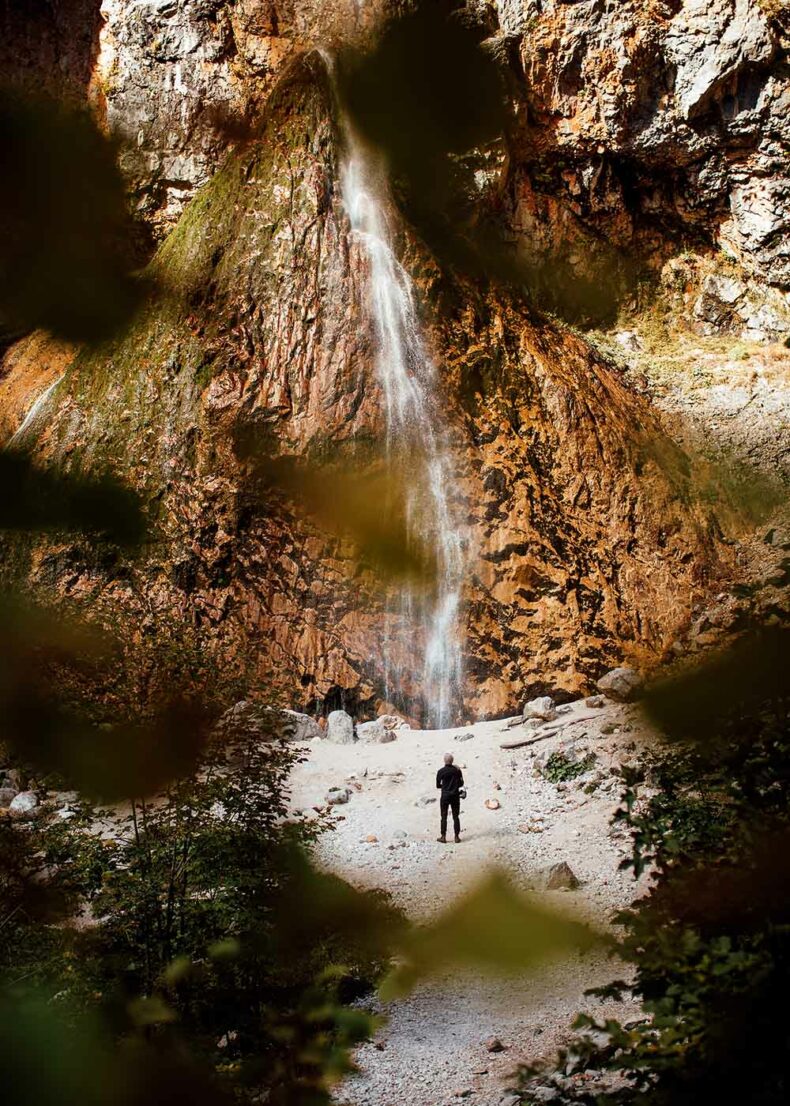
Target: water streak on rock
(415, 437)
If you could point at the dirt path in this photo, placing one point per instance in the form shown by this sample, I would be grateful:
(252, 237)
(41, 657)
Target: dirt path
(433, 1043)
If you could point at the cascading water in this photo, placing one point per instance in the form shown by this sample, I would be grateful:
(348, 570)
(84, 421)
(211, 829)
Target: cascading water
(36, 409)
(408, 381)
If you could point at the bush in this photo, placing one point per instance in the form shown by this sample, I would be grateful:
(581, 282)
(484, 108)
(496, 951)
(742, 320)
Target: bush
(710, 944)
(183, 924)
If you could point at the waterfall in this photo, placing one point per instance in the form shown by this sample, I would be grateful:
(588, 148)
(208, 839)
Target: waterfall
(414, 432)
(35, 410)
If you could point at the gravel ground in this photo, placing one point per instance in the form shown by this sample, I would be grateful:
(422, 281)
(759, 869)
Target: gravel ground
(433, 1043)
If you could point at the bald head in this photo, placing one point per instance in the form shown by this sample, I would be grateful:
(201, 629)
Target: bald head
(448, 758)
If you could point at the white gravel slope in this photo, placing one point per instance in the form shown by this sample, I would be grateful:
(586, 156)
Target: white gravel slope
(433, 1045)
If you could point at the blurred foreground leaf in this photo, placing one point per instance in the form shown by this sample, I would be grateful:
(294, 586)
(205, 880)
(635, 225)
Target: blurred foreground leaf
(495, 928)
(368, 506)
(426, 95)
(65, 255)
(315, 906)
(48, 1060)
(40, 499)
(741, 678)
(48, 729)
(425, 89)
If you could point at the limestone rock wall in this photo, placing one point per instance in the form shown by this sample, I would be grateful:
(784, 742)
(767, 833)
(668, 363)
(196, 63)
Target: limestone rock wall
(644, 126)
(584, 543)
(636, 128)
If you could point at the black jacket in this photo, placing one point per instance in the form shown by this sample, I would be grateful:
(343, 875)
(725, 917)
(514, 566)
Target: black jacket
(450, 779)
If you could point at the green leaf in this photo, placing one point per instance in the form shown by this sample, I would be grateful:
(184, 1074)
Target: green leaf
(495, 928)
(151, 1011)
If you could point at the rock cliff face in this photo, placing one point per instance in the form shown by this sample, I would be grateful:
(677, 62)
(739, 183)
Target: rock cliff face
(646, 126)
(636, 127)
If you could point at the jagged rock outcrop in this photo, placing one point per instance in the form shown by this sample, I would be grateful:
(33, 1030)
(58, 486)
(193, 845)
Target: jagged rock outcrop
(645, 126)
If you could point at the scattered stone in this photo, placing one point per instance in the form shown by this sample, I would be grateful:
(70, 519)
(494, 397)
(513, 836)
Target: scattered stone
(595, 701)
(609, 728)
(340, 728)
(462, 1093)
(372, 839)
(493, 1044)
(425, 800)
(463, 737)
(560, 877)
(622, 684)
(492, 804)
(629, 340)
(510, 1100)
(65, 798)
(24, 805)
(299, 727)
(337, 795)
(542, 708)
(375, 733)
(544, 1094)
(12, 777)
(479, 1071)
(393, 722)
(7, 796)
(496, 786)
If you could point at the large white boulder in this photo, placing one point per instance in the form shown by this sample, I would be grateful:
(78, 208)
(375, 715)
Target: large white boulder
(299, 727)
(24, 805)
(622, 684)
(375, 732)
(340, 728)
(542, 709)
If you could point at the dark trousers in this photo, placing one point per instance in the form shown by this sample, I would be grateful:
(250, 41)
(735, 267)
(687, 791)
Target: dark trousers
(454, 803)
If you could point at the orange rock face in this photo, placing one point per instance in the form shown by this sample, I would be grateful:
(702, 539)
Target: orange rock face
(585, 548)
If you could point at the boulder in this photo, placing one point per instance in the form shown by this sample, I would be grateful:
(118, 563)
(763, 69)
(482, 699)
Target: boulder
(24, 805)
(340, 728)
(247, 719)
(560, 877)
(65, 799)
(595, 701)
(622, 684)
(335, 796)
(374, 733)
(299, 727)
(542, 708)
(7, 796)
(393, 722)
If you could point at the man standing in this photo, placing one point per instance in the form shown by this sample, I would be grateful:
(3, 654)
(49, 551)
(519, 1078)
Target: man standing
(450, 779)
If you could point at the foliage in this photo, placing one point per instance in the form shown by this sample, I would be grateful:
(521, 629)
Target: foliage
(560, 769)
(181, 930)
(496, 928)
(65, 263)
(709, 945)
